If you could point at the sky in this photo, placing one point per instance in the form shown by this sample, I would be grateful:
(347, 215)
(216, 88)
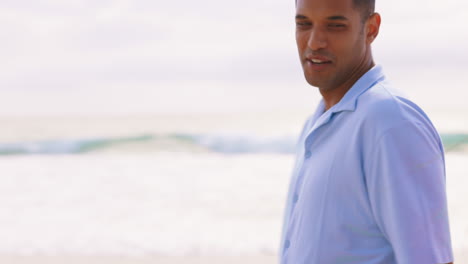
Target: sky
(70, 57)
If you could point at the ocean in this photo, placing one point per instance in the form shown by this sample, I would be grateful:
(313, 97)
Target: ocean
(142, 186)
(180, 142)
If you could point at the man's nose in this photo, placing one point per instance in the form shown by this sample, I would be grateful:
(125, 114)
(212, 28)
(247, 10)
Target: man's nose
(317, 39)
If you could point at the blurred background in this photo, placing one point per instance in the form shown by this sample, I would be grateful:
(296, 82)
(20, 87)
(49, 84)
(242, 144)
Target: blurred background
(164, 131)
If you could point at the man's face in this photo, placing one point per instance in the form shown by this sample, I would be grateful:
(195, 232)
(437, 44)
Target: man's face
(331, 40)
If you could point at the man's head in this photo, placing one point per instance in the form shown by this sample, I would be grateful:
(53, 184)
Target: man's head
(333, 39)
(366, 7)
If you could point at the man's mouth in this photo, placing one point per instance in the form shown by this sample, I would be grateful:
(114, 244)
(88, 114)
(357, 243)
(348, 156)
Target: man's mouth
(319, 61)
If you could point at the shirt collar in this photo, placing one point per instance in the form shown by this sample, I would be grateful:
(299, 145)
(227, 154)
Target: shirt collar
(349, 100)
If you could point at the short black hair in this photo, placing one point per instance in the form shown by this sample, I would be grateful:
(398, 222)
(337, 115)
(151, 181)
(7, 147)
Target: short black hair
(367, 7)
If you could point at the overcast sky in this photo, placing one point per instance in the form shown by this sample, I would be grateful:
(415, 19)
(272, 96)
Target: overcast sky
(153, 56)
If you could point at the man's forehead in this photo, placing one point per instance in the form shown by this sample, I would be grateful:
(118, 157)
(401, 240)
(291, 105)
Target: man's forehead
(324, 7)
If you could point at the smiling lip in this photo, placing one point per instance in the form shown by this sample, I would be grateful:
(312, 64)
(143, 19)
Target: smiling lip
(318, 63)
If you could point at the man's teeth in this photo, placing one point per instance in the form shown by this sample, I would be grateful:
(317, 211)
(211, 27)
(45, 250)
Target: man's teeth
(317, 61)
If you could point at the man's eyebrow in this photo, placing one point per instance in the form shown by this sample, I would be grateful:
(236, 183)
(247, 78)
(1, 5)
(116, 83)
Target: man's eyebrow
(337, 18)
(299, 16)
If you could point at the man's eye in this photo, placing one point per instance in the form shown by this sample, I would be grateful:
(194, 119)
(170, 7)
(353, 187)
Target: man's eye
(303, 24)
(336, 25)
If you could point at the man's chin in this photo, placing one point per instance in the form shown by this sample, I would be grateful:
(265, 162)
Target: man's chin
(316, 82)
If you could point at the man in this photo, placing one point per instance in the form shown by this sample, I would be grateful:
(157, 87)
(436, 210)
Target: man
(368, 186)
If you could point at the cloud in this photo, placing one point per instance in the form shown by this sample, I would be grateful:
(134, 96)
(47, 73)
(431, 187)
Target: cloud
(57, 46)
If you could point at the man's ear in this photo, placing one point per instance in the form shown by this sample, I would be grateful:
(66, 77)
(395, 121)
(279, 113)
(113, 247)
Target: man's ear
(372, 27)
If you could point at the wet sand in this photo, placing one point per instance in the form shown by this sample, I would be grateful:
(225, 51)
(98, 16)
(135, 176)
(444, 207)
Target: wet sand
(137, 260)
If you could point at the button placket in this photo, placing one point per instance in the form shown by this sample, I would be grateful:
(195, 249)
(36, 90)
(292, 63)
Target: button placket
(287, 244)
(295, 198)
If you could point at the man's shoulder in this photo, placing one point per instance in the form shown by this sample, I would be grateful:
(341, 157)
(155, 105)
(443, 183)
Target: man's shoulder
(383, 107)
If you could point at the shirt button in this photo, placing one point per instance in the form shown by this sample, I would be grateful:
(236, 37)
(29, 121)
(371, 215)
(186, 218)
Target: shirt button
(295, 198)
(308, 154)
(286, 244)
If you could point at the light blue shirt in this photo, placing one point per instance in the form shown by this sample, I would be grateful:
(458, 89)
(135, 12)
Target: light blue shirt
(368, 186)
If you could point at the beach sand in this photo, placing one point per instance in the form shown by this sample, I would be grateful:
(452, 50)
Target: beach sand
(461, 257)
(137, 260)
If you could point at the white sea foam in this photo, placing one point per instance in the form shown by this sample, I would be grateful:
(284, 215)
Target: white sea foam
(163, 203)
(150, 204)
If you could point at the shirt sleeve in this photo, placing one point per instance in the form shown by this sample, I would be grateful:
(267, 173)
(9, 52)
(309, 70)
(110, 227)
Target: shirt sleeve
(406, 184)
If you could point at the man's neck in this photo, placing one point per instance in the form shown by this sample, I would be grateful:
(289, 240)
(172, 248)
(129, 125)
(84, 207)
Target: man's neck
(332, 96)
